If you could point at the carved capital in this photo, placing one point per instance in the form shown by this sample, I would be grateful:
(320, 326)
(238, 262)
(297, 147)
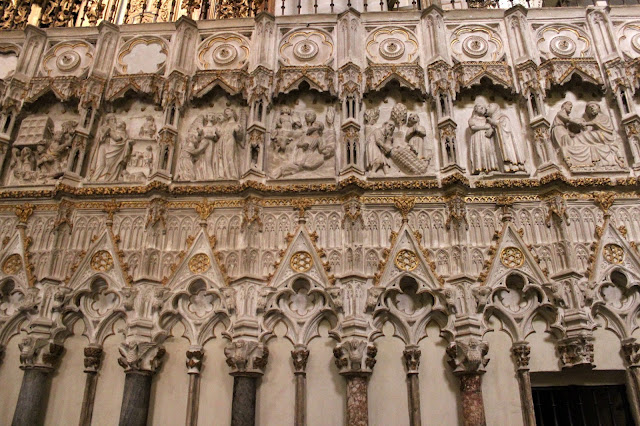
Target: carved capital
(39, 353)
(355, 357)
(300, 356)
(411, 356)
(92, 359)
(631, 352)
(576, 351)
(246, 358)
(140, 356)
(468, 356)
(521, 352)
(194, 360)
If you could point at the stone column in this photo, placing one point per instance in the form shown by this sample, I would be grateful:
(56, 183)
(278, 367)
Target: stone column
(412, 363)
(468, 359)
(194, 366)
(247, 360)
(631, 352)
(355, 360)
(140, 361)
(37, 358)
(520, 352)
(300, 355)
(92, 362)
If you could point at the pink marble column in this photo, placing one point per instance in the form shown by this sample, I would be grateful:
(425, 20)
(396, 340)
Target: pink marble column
(357, 400)
(355, 359)
(472, 403)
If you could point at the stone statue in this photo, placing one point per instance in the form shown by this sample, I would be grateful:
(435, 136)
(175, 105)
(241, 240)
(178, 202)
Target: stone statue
(512, 153)
(378, 146)
(231, 141)
(53, 159)
(415, 134)
(113, 151)
(482, 149)
(148, 129)
(587, 142)
(286, 125)
(190, 154)
(23, 164)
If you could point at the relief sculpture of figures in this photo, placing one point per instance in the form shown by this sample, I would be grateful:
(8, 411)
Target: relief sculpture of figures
(512, 153)
(587, 143)
(114, 149)
(482, 147)
(231, 141)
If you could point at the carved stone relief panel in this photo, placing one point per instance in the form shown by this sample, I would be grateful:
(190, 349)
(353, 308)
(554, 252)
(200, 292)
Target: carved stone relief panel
(40, 152)
(8, 59)
(68, 58)
(145, 55)
(213, 140)
(126, 144)
(306, 48)
(392, 44)
(629, 39)
(223, 51)
(302, 140)
(583, 132)
(476, 43)
(563, 41)
(398, 136)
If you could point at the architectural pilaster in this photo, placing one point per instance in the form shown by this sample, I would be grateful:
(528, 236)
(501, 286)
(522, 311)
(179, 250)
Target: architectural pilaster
(521, 352)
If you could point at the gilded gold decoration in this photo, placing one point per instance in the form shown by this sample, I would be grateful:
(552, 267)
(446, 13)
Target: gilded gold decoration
(12, 264)
(404, 204)
(301, 261)
(199, 263)
(406, 260)
(613, 253)
(512, 257)
(101, 261)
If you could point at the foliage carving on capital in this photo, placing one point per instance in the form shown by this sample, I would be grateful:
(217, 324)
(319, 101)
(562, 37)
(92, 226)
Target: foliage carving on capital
(355, 356)
(194, 360)
(92, 359)
(246, 357)
(468, 355)
(631, 352)
(577, 350)
(140, 356)
(411, 357)
(300, 356)
(39, 353)
(521, 352)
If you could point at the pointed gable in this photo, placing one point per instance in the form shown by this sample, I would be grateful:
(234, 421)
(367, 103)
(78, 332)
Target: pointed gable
(406, 258)
(301, 259)
(101, 260)
(200, 261)
(512, 254)
(12, 261)
(613, 252)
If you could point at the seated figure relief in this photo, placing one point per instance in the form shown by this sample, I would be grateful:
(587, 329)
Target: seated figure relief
(302, 148)
(39, 154)
(397, 145)
(588, 143)
(213, 146)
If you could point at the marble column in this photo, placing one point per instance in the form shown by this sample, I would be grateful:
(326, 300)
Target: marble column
(467, 357)
(140, 361)
(631, 352)
(412, 363)
(92, 362)
(247, 359)
(194, 366)
(521, 351)
(37, 358)
(357, 399)
(300, 355)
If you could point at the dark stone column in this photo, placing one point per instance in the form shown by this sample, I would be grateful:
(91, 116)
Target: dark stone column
(243, 406)
(38, 357)
(92, 361)
(194, 366)
(631, 352)
(521, 351)
(300, 356)
(135, 400)
(412, 363)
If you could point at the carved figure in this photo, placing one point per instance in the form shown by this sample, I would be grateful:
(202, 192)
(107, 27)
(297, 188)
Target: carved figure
(481, 148)
(379, 146)
(148, 129)
(54, 156)
(23, 164)
(512, 153)
(415, 134)
(286, 125)
(113, 151)
(371, 117)
(231, 140)
(190, 155)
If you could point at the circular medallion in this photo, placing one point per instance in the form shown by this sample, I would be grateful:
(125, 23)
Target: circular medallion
(199, 263)
(68, 60)
(512, 257)
(391, 48)
(406, 260)
(562, 46)
(225, 53)
(635, 42)
(12, 264)
(101, 261)
(305, 50)
(301, 261)
(613, 253)
(475, 46)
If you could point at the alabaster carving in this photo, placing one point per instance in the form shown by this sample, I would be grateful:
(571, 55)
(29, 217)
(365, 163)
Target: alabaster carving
(113, 151)
(589, 143)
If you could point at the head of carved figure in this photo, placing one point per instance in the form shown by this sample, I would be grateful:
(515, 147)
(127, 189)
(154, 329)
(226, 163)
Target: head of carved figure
(149, 119)
(567, 106)
(371, 116)
(218, 118)
(479, 109)
(111, 120)
(310, 117)
(26, 152)
(68, 126)
(593, 109)
(192, 139)
(285, 110)
(413, 119)
(229, 114)
(121, 125)
(492, 109)
(389, 128)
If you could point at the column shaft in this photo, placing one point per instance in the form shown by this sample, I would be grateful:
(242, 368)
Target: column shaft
(471, 395)
(301, 400)
(193, 400)
(88, 398)
(135, 401)
(32, 400)
(633, 392)
(526, 398)
(413, 383)
(243, 407)
(357, 401)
